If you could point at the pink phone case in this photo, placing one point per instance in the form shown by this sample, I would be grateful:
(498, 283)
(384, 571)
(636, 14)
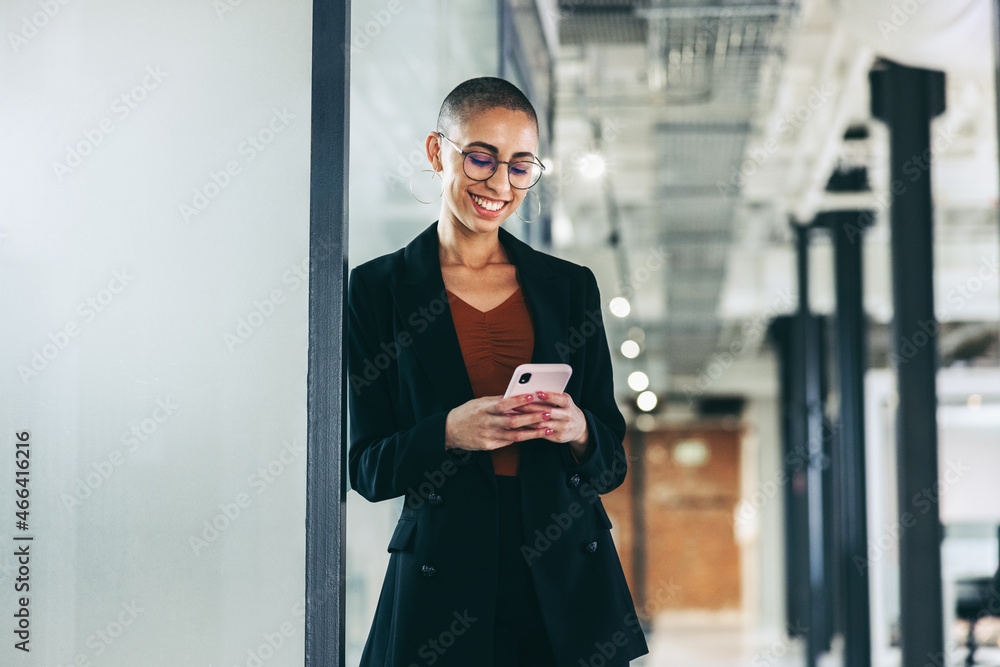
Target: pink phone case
(542, 377)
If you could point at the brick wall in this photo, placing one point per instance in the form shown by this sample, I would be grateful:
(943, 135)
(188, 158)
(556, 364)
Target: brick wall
(692, 559)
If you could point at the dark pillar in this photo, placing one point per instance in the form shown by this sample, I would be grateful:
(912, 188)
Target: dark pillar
(781, 334)
(847, 229)
(808, 573)
(637, 472)
(906, 99)
(326, 488)
(812, 437)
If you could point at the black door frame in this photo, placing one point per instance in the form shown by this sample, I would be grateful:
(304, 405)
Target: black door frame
(326, 483)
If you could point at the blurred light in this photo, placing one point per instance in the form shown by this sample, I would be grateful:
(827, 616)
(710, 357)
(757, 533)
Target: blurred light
(638, 380)
(646, 401)
(636, 334)
(563, 233)
(619, 306)
(645, 422)
(975, 401)
(630, 349)
(548, 164)
(691, 453)
(591, 165)
(657, 453)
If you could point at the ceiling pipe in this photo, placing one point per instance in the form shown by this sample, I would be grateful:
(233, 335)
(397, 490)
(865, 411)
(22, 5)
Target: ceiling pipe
(707, 12)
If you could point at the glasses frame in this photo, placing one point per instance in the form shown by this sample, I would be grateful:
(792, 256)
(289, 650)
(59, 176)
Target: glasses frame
(466, 154)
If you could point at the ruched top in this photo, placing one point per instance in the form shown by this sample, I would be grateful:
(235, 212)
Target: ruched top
(493, 344)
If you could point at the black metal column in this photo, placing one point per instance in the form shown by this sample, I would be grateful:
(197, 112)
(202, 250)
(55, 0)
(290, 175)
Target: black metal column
(847, 230)
(811, 433)
(906, 99)
(781, 334)
(637, 470)
(326, 486)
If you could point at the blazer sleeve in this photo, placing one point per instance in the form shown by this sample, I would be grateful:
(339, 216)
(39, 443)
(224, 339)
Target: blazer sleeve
(384, 461)
(603, 463)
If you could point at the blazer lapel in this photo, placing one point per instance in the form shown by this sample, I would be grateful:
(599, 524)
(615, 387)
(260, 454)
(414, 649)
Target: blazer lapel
(547, 296)
(422, 304)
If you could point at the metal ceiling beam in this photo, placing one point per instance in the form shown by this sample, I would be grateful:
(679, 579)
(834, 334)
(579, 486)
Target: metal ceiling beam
(718, 11)
(716, 127)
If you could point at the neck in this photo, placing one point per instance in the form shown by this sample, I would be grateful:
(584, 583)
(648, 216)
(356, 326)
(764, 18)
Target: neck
(458, 245)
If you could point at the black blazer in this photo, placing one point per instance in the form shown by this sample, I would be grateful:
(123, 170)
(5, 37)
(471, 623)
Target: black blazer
(406, 372)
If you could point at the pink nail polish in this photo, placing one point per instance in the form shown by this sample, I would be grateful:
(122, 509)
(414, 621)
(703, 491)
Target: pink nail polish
(541, 394)
(546, 415)
(548, 431)
(530, 398)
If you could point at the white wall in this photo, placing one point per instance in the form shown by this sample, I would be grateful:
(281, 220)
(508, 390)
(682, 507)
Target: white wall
(967, 464)
(120, 310)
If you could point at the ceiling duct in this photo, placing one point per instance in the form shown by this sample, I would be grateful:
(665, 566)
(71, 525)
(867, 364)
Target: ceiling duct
(710, 69)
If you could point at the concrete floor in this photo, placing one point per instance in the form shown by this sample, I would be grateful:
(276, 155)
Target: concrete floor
(690, 641)
(717, 649)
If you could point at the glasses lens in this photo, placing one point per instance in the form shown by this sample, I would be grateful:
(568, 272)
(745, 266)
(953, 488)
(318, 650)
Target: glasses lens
(480, 166)
(524, 174)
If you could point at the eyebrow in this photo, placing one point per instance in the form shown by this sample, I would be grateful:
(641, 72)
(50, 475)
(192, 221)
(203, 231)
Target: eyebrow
(490, 147)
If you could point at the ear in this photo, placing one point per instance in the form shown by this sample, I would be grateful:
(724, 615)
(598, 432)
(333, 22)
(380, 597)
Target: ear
(433, 149)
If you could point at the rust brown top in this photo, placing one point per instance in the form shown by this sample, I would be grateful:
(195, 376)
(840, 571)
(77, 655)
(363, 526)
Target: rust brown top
(493, 344)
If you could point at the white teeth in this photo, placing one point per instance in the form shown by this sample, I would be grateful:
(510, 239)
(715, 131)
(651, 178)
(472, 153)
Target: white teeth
(487, 204)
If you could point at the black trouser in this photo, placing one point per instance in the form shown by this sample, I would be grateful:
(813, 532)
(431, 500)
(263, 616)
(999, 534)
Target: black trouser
(520, 637)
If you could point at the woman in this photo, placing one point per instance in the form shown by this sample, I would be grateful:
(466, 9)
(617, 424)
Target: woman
(503, 553)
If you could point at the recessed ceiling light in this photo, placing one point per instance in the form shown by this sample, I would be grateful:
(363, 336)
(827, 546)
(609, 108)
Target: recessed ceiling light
(619, 306)
(630, 349)
(638, 380)
(591, 165)
(646, 401)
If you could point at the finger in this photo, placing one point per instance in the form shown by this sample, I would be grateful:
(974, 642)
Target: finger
(505, 404)
(527, 433)
(529, 427)
(531, 407)
(499, 443)
(510, 422)
(516, 435)
(556, 399)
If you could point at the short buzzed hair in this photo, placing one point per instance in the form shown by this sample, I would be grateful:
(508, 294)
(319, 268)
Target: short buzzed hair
(481, 94)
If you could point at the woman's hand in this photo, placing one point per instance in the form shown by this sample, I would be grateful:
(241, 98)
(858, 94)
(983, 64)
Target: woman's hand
(564, 421)
(491, 422)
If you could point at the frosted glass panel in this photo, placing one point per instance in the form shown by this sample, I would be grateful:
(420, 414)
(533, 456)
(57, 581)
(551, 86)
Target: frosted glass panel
(154, 214)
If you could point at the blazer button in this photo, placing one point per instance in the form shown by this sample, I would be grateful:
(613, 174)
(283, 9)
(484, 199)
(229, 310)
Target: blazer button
(429, 571)
(434, 499)
(573, 481)
(590, 547)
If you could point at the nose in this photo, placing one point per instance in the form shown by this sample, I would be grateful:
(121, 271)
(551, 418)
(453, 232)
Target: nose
(500, 180)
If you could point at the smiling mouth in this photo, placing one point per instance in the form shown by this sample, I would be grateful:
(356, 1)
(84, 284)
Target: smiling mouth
(488, 204)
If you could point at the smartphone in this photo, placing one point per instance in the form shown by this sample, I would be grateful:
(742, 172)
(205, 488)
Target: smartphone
(529, 378)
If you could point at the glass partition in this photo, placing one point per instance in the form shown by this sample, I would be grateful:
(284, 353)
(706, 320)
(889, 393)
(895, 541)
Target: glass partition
(154, 318)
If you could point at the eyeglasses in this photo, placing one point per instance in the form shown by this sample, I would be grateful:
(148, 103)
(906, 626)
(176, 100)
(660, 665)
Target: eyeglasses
(521, 174)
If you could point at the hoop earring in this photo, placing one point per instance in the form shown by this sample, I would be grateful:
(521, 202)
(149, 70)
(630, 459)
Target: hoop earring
(433, 174)
(538, 199)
